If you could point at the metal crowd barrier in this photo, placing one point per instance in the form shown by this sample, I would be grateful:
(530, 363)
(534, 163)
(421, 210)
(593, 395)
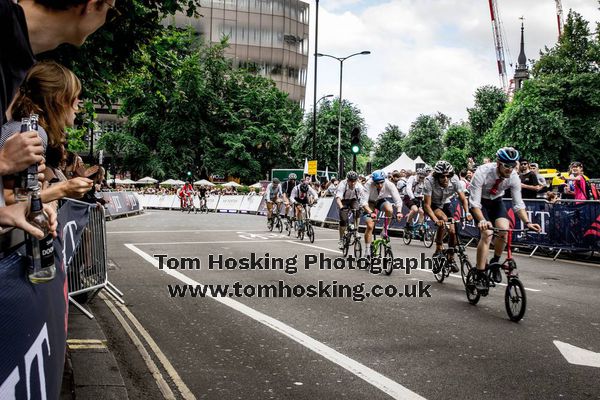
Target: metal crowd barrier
(87, 272)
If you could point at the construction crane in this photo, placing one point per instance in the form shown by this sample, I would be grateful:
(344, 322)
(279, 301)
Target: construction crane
(559, 17)
(499, 43)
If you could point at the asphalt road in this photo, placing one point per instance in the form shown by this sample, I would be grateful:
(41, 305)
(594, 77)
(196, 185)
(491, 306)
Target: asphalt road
(437, 347)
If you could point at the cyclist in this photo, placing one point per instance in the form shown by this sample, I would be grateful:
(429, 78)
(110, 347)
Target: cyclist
(347, 196)
(273, 195)
(185, 194)
(286, 189)
(202, 195)
(438, 188)
(302, 195)
(413, 199)
(488, 186)
(375, 197)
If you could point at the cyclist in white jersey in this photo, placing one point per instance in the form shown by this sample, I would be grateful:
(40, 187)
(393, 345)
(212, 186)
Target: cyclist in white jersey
(273, 196)
(413, 199)
(377, 191)
(302, 195)
(347, 196)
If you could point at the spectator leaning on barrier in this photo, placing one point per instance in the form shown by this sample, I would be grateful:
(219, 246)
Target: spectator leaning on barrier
(51, 91)
(578, 186)
(534, 167)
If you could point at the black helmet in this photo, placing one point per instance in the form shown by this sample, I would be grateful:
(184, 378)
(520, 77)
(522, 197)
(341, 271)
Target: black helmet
(443, 168)
(508, 155)
(304, 187)
(352, 176)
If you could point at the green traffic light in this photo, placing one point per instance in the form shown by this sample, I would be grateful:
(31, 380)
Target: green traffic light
(355, 149)
(189, 173)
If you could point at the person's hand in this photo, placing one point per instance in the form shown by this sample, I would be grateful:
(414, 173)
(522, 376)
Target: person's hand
(469, 217)
(533, 227)
(440, 222)
(539, 187)
(77, 187)
(399, 216)
(52, 219)
(373, 215)
(20, 151)
(15, 215)
(485, 225)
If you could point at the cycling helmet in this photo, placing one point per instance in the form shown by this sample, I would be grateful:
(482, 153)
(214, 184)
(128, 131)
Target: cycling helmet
(443, 168)
(378, 176)
(304, 187)
(352, 176)
(276, 181)
(421, 172)
(292, 177)
(508, 155)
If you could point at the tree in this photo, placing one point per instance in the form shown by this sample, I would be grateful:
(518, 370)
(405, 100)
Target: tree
(424, 138)
(490, 101)
(327, 135)
(388, 146)
(456, 140)
(555, 118)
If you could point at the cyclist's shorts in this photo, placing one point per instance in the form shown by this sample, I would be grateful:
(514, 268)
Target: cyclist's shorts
(272, 200)
(493, 209)
(376, 206)
(303, 201)
(444, 207)
(408, 202)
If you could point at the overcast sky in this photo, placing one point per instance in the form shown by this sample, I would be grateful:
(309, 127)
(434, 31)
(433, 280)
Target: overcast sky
(426, 55)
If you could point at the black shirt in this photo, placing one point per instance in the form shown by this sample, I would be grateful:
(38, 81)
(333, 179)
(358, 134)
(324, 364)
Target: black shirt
(529, 178)
(16, 56)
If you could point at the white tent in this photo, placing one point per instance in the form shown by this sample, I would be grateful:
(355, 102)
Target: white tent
(419, 160)
(403, 162)
(172, 182)
(127, 182)
(257, 185)
(204, 182)
(232, 184)
(146, 180)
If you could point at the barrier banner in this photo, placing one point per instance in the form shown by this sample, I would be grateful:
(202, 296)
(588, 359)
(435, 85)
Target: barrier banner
(119, 203)
(229, 203)
(250, 204)
(33, 317)
(320, 211)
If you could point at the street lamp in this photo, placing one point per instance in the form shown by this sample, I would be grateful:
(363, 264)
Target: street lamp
(314, 124)
(341, 60)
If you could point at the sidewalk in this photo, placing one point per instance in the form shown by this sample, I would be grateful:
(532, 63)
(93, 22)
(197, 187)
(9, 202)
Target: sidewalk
(91, 371)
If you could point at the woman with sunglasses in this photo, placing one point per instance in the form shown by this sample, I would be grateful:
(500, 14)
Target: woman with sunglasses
(438, 188)
(488, 186)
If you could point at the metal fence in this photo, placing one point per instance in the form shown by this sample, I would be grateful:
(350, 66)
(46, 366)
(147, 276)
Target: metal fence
(87, 272)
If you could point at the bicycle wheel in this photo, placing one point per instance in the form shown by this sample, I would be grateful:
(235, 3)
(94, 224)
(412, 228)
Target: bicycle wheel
(472, 293)
(440, 272)
(407, 236)
(346, 244)
(310, 232)
(387, 263)
(357, 247)
(279, 224)
(288, 227)
(428, 236)
(515, 300)
(270, 225)
(465, 267)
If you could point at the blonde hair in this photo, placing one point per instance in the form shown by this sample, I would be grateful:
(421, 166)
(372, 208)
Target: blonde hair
(49, 90)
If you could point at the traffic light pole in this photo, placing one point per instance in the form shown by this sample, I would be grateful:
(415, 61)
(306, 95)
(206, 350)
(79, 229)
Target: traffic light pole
(354, 162)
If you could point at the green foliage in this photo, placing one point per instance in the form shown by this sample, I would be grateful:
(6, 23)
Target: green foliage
(490, 101)
(188, 109)
(388, 147)
(327, 135)
(75, 140)
(555, 118)
(424, 138)
(456, 141)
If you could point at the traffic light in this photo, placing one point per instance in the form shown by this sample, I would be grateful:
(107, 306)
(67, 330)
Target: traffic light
(189, 174)
(355, 140)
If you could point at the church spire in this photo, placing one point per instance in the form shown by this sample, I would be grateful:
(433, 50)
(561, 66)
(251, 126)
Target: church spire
(521, 72)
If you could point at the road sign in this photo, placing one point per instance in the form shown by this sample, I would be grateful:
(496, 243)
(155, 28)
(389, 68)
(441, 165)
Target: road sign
(312, 167)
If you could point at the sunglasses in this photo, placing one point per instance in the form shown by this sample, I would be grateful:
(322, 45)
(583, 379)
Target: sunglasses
(507, 166)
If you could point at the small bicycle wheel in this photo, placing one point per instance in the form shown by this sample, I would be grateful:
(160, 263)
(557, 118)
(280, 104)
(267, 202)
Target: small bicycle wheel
(301, 233)
(465, 267)
(288, 227)
(515, 300)
(279, 225)
(387, 262)
(270, 225)
(345, 244)
(357, 248)
(472, 293)
(428, 236)
(407, 236)
(440, 272)
(310, 232)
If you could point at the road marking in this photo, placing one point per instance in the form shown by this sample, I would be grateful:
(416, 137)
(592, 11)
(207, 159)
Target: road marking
(86, 344)
(578, 356)
(219, 242)
(316, 247)
(383, 383)
(160, 381)
(183, 389)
